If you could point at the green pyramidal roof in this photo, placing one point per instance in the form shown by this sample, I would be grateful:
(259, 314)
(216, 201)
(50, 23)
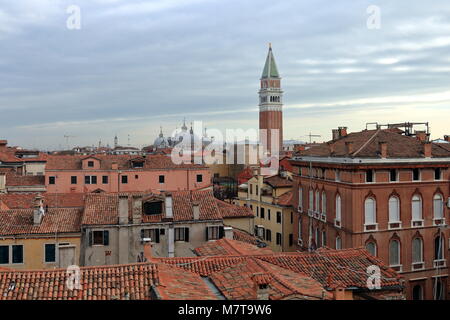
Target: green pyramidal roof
(270, 68)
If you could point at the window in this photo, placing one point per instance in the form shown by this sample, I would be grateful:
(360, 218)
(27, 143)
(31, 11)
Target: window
(394, 209)
(437, 174)
(311, 199)
(300, 199)
(73, 179)
(371, 247)
(369, 211)
(337, 175)
(299, 227)
(161, 179)
(256, 190)
(324, 238)
(90, 164)
(369, 176)
(317, 206)
(417, 250)
(153, 234)
(199, 178)
(417, 292)
(393, 175)
(438, 206)
(262, 213)
(136, 176)
(51, 180)
(214, 233)
(278, 216)
(438, 290)
(394, 253)
(268, 235)
(153, 207)
(317, 237)
(416, 208)
(257, 211)
(324, 202)
(4, 254)
(124, 179)
(438, 248)
(50, 252)
(99, 238)
(182, 234)
(17, 254)
(338, 243)
(338, 208)
(416, 174)
(291, 240)
(138, 164)
(90, 179)
(278, 239)
(268, 214)
(105, 179)
(251, 189)
(292, 217)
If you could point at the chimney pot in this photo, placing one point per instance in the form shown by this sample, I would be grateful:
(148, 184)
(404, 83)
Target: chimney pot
(447, 138)
(196, 209)
(228, 232)
(342, 132)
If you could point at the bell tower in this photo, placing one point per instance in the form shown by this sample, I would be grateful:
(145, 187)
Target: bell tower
(271, 103)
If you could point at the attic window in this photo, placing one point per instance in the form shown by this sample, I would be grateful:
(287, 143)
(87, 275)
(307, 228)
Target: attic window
(155, 207)
(138, 164)
(90, 164)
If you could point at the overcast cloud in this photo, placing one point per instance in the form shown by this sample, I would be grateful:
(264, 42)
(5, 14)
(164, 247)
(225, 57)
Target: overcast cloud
(136, 65)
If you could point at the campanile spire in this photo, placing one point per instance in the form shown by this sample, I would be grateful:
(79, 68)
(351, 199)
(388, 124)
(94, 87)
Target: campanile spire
(270, 102)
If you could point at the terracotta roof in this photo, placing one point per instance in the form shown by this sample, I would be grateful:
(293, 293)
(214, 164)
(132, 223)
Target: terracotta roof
(11, 155)
(55, 220)
(14, 179)
(285, 199)
(365, 144)
(227, 247)
(228, 210)
(124, 162)
(120, 282)
(52, 200)
(244, 236)
(278, 182)
(103, 208)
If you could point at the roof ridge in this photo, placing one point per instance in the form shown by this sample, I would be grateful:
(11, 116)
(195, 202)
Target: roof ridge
(367, 142)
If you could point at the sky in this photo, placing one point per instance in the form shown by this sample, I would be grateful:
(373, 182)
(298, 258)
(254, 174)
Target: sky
(134, 66)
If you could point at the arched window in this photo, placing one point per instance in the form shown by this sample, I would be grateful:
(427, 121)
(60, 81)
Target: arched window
(311, 199)
(417, 292)
(417, 250)
(317, 237)
(338, 243)
(394, 209)
(416, 208)
(338, 207)
(324, 202)
(372, 248)
(369, 211)
(394, 253)
(438, 206)
(438, 290)
(300, 198)
(438, 248)
(300, 227)
(317, 208)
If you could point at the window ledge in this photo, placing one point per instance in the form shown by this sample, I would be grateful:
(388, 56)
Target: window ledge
(418, 266)
(394, 225)
(439, 221)
(337, 223)
(371, 227)
(416, 223)
(440, 263)
(397, 267)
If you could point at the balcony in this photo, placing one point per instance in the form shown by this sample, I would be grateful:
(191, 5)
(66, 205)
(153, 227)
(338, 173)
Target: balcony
(371, 227)
(416, 223)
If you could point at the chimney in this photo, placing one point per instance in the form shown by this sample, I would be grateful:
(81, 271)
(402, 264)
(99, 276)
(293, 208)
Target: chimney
(3, 145)
(383, 149)
(228, 232)
(196, 209)
(38, 210)
(137, 209)
(168, 202)
(262, 282)
(427, 149)
(123, 209)
(148, 250)
(447, 138)
(339, 293)
(342, 132)
(348, 147)
(335, 134)
(421, 136)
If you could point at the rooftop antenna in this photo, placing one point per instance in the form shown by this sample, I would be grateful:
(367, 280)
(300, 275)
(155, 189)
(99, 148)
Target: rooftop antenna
(310, 135)
(67, 137)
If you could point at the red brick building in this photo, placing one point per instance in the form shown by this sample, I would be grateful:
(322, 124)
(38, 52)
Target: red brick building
(382, 190)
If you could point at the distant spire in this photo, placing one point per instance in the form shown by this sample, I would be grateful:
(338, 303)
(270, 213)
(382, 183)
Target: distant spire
(184, 128)
(270, 68)
(160, 132)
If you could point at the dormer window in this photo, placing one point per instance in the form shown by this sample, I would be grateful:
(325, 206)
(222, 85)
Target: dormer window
(153, 207)
(137, 164)
(90, 164)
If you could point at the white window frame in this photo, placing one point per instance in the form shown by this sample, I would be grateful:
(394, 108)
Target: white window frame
(438, 220)
(370, 226)
(394, 222)
(416, 222)
(338, 211)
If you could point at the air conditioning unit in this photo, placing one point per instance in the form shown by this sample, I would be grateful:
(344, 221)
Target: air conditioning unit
(300, 242)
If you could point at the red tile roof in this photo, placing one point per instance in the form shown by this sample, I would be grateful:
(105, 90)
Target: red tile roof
(56, 220)
(244, 236)
(14, 179)
(365, 144)
(26, 200)
(278, 182)
(285, 199)
(227, 247)
(229, 210)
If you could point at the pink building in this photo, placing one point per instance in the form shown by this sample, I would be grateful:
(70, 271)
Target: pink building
(122, 173)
